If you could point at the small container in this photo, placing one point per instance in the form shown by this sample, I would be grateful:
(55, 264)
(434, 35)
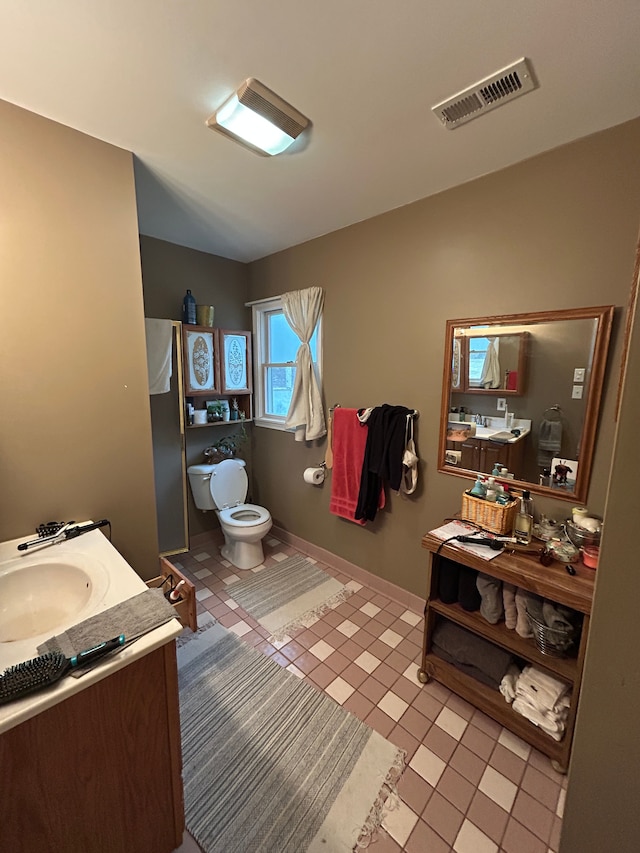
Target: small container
(205, 315)
(590, 556)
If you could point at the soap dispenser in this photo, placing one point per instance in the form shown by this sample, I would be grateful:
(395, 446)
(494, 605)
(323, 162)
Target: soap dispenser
(479, 489)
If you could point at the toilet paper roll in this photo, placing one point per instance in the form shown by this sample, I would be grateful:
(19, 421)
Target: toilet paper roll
(200, 416)
(315, 476)
(453, 457)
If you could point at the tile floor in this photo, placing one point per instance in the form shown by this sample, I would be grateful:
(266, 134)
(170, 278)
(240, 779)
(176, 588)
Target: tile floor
(470, 786)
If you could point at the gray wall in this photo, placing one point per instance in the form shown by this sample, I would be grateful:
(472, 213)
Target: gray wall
(167, 271)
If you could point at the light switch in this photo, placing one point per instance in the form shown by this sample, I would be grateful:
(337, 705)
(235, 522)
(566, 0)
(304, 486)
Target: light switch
(501, 405)
(578, 374)
(576, 394)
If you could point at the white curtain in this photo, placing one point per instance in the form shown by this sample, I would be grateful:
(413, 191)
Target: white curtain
(491, 369)
(302, 309)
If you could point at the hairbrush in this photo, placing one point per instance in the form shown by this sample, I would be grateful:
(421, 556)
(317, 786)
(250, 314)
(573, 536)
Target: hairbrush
(32, 675)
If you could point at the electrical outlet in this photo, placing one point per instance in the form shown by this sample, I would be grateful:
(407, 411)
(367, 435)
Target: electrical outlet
(576, 394)
(501, 405)
(578, 374)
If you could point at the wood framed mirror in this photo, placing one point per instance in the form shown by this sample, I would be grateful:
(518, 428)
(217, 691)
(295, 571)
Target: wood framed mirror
(522, 392)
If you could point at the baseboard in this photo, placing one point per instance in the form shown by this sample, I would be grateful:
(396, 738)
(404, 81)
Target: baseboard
(356, 573)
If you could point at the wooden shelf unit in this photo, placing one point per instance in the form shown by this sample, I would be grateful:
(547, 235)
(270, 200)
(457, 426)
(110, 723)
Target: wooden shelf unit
(523, 570)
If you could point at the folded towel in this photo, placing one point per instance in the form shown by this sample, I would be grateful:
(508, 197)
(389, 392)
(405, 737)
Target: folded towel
(469, 650)
(349, 442)
(509, 604)
(550, 436)
(133, 618)
(490, 590)
(526, 601)
(542, 689)
(554, 729)
(159, 341)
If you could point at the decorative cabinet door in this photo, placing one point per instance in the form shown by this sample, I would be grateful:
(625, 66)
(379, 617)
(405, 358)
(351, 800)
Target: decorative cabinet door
(234, 350)
(200, 349)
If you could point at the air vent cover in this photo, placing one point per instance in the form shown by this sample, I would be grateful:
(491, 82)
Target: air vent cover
(492, 92)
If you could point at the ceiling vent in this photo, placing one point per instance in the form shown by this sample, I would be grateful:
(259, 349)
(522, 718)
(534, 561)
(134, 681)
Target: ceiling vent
(492, 92)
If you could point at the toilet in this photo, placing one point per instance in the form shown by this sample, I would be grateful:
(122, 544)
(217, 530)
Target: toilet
(223, 486)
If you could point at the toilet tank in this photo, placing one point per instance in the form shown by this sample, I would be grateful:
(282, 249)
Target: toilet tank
(199, 477)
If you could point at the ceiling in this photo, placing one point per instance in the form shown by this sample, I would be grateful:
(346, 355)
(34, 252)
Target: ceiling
(145, 76)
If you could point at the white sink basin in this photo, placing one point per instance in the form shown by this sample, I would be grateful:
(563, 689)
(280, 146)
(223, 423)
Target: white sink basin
(44, 593)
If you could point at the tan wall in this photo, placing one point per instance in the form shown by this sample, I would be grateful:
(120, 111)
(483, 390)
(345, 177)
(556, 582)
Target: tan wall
(606, 753)
(74, 421)
(167, 271)
(557, 231)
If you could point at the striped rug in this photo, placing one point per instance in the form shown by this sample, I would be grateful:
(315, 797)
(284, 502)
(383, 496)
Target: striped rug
(288, 595)
(271, 764)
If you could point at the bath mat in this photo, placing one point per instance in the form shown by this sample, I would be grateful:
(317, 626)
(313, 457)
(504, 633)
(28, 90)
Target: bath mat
(288, 595)
(270, 763)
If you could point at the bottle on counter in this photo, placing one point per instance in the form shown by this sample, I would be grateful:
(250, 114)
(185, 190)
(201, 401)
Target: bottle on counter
(523, 524)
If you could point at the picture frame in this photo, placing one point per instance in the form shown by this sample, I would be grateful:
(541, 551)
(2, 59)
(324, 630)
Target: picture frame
(234, 350)
(199, 355)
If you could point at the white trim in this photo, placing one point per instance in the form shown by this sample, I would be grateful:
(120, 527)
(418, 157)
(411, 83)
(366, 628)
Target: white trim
(260, 301)
(258, 309)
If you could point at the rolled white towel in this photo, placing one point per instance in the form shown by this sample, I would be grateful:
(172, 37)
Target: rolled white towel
(508, 683)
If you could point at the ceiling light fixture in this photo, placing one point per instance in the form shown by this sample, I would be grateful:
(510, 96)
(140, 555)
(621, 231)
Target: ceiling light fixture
(258, 118)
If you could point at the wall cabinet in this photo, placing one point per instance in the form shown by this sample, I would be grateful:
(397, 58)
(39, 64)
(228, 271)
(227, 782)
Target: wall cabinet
(217, 366)
(523, 570)
(509, 376)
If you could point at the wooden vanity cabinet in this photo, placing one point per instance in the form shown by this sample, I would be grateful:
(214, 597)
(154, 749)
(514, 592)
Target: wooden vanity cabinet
(523, 570)
(481, 454)
(100, 771)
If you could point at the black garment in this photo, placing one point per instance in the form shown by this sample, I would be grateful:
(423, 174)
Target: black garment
(383, 454)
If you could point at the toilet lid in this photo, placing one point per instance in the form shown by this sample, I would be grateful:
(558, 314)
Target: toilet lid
(228, 483)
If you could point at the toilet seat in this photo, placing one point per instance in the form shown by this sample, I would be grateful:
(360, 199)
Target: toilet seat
(244, 515)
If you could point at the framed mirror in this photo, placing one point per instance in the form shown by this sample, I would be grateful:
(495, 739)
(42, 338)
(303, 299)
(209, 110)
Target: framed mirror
(521, 395)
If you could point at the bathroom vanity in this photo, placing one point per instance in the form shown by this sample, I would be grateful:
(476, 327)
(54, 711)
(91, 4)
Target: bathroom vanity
(525, 571)
(93, 764)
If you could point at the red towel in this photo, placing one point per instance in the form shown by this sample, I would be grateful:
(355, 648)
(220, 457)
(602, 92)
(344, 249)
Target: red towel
(512, 380)
(349, 441)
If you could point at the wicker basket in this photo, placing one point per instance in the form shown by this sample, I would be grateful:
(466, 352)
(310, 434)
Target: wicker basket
(551, 641)
(497, 518)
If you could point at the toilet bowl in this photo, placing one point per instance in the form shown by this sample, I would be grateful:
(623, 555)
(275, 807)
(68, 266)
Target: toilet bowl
(222, 487)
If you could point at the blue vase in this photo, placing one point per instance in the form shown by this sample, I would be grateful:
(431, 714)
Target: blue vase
(189, 309)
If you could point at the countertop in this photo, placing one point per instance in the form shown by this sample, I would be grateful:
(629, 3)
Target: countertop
(122, 583)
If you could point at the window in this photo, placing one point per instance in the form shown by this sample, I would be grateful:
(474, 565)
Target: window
(477, 357)
(276, 345)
